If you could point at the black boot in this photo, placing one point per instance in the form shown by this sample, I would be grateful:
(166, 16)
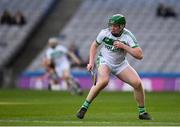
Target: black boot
(145, 116)
(81, 113)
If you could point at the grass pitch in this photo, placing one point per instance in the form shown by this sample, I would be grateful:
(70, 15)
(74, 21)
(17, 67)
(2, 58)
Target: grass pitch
(45, 108)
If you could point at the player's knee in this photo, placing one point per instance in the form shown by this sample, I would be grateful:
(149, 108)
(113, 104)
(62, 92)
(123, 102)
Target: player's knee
(66, 76)
(104, 82)
(137, 84)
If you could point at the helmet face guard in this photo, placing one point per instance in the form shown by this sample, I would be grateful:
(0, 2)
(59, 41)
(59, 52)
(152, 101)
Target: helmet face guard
(117, 19)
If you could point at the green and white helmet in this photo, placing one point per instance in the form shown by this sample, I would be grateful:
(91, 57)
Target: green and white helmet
(117, 19)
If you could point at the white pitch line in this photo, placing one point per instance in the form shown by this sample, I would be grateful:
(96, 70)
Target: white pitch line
(47, 121)
(13, 103)
(20, 103)
(80, 122)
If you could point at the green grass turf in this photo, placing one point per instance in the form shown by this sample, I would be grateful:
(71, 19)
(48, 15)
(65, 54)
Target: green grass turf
(44, 108)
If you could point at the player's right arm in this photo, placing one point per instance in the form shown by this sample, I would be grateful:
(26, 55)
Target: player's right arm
(92, 55)
(93, 50)
(48, 65)
(47, 62)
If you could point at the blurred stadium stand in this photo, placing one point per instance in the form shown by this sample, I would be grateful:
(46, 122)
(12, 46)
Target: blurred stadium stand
(45, 18)
(158, 37)
(12, 37)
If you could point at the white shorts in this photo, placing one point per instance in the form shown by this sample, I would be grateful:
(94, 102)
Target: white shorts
(115, 69)
(60, 68)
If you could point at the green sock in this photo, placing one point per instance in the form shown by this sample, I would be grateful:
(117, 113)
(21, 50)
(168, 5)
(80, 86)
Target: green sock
(141, 110)
(86, 104)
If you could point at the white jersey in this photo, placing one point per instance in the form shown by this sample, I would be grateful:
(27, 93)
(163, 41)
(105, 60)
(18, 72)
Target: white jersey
(58, 55)
(110, 54)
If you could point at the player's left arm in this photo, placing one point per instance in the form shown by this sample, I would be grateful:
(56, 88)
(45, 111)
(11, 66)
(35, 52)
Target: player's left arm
(136, 51)
(74, 57)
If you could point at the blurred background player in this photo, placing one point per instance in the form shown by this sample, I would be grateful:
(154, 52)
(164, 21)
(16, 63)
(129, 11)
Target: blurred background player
(117, 41)
(58, 66)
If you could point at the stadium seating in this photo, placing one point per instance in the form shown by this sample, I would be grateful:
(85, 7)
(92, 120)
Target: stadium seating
(12, 37)
(158, 37)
